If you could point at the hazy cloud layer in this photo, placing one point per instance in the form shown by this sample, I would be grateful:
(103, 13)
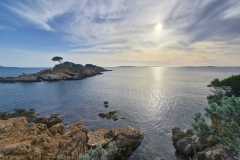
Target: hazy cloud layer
(137, 26)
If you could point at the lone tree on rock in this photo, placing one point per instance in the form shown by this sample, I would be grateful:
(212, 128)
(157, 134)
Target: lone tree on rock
(57, 59)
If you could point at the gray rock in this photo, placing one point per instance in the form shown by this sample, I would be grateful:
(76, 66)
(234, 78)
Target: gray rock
(217, 152)
(191, 146)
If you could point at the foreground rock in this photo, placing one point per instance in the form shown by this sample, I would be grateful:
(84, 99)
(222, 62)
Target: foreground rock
(24, 140)
(64, 71)
(189, 146)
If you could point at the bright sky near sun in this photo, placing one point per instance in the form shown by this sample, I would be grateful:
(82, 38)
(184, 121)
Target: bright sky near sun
(120, 32)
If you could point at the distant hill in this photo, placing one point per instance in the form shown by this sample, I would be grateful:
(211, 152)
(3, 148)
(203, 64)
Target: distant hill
(6, 67)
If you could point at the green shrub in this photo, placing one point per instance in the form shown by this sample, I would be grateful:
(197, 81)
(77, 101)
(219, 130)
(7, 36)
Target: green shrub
(94, 154)
(231, 85)
(111, 152)
(221, 121)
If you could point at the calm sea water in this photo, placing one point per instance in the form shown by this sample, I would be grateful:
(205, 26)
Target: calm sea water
(153, 99)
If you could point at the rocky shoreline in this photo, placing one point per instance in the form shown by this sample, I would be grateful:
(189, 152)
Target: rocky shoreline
(23, 136)
(63, 71)
(189, 146)
(215, 132)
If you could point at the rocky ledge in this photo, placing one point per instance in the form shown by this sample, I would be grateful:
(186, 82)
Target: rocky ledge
(63, 71)
(22, 138)
(190, 146)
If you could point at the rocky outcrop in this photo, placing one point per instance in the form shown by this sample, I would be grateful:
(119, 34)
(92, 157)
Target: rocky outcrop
(64, 71)
(190, 146)
(49, 139)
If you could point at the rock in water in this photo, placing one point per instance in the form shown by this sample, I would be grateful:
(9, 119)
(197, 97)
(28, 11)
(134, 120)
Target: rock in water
(112, 115)
(24, 140)
(106, 104)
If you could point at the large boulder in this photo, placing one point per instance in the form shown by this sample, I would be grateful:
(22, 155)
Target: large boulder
(190, 146)
(115, 144)
(184, 142)
(217, 152)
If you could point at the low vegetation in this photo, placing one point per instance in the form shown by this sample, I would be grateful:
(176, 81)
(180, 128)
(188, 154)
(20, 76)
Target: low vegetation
(222, 123)
(221, 119)
(101, 153)
(227, 87)
(215, 133)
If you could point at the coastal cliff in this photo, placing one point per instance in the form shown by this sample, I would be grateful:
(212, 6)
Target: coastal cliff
(63, 71)
(24, 136)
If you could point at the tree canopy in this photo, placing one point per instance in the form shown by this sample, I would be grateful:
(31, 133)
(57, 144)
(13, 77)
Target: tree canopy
(57, 59)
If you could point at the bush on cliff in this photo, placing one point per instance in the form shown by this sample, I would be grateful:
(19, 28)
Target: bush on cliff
(226, 87)
(232, 83)
(221, 121)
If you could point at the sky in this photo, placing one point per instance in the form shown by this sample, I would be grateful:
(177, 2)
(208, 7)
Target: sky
(120, 32)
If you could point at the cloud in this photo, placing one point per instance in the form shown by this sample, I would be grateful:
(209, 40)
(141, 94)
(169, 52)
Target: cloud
(115, 26)
(204, 20)
(233, 12)
(40, 12)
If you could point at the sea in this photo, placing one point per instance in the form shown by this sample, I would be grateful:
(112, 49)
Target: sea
(153, 99)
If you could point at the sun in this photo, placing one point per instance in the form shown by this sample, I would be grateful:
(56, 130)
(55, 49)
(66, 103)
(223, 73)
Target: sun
(157, 32)
(158, 29)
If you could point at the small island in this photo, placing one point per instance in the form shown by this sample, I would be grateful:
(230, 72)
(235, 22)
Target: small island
(61, 71)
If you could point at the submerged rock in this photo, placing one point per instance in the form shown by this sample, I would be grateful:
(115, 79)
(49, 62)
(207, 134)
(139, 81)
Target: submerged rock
(113, 115)
(24, 140)
(30, 114)
(106, 104)
(64, 71)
